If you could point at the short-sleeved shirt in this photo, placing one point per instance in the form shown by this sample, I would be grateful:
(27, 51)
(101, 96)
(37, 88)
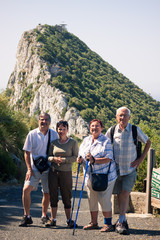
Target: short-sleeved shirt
(36, 143)
(100, 148)
(124, 148)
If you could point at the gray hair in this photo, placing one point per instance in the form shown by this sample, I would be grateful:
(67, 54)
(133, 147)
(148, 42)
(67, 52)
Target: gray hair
(123, 108)
(42, 114)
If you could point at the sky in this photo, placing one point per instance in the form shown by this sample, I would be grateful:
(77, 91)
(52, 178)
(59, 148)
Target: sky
(125, 33)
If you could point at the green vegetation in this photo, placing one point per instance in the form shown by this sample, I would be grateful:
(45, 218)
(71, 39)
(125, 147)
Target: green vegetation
(92, 85)
(14, 127)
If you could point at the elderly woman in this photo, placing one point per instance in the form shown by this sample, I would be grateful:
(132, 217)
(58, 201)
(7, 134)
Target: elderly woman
(97, 148)
(62, 153)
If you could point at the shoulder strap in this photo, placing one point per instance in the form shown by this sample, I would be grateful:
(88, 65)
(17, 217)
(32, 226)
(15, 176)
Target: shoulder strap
(134, 134)
(137, 143)
(49, 136)
(112, 132)
(108, 167)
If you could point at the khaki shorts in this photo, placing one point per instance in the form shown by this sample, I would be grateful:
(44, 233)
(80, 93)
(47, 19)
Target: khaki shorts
(125, 182)
(34, 181)
(100, 200)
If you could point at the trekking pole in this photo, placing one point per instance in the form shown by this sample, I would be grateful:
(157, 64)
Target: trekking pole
(75, 191)
(80, 195)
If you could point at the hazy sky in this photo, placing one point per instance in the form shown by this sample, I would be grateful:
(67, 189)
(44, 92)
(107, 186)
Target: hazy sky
(125, 33)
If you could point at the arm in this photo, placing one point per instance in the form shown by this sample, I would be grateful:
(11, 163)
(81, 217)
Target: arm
(29, 172)
(51, 157)
(139, 160)
(97, 160)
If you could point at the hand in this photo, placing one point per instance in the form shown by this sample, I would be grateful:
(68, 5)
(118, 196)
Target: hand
(136, 163)
(90, 158)
(29, 173)
(80, 159)
(57, 160)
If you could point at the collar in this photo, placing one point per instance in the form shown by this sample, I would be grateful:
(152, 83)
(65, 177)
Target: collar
(39, 132)
(99, 139)
(126, 129)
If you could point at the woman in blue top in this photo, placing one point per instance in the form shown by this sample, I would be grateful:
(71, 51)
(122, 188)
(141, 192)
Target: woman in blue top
(97, 148)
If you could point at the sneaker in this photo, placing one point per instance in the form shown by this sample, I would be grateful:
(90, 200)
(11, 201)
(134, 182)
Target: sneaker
(25, 221)
(50, 223)
(126, 224)
(44, 219)
(70, 224)
(122, 227)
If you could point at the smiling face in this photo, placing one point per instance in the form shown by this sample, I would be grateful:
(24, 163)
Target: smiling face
(62, 131)
(123, 118)
(44, 122)
(95, 129)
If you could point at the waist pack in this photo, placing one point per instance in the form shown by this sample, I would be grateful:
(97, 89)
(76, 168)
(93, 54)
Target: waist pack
(41, 163)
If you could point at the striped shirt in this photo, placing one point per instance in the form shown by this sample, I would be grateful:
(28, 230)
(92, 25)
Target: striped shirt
(100, 148)
(124, 149)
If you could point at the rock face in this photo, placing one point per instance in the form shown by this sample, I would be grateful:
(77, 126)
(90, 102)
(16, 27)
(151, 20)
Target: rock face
(30, 89)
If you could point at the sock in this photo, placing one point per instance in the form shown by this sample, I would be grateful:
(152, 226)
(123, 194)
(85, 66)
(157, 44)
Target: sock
(122, 218)
(108, 221)
(28, 216)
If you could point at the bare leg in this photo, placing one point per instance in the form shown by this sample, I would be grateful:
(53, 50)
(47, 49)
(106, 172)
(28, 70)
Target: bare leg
(123, 201)
(53, 212)
(26, 199)
(94, 217)
(68, 213)
(107, 214)
(45, 203)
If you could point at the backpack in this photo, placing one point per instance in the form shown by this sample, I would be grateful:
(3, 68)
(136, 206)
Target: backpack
(134, 134)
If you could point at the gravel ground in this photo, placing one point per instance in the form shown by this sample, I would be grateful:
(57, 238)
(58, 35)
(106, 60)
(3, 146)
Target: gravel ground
(11, 211)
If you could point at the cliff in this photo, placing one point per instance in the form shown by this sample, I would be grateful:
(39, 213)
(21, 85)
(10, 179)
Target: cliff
(30, 89)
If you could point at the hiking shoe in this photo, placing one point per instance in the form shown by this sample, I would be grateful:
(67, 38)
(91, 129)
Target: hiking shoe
(50, 223)
(44, 219)
(122, 227)
(126, 224)
(91, 226)
(25, 221)
(70, 224)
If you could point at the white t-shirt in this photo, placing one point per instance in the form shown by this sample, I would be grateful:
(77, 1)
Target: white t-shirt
(36, 143)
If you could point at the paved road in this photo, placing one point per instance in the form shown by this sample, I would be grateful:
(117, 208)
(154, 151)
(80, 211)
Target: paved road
(11, 211)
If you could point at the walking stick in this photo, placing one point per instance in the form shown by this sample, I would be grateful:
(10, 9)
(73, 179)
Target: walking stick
(80, 196)
(75, 191)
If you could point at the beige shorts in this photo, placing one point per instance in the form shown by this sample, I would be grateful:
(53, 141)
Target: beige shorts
(100, 200)
(34, 181)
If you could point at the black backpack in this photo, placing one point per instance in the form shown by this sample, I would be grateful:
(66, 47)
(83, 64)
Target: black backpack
(134, 134)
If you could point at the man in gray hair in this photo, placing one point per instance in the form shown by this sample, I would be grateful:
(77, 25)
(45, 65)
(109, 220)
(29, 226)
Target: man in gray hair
(127, 161)
(35, 146)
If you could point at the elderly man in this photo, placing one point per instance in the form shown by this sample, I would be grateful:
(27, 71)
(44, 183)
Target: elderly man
(127, 162)
(35, 146)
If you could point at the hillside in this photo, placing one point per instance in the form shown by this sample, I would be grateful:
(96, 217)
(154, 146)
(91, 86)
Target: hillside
(52, 61)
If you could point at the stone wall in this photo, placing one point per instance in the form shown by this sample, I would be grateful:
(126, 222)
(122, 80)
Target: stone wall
(136, 203)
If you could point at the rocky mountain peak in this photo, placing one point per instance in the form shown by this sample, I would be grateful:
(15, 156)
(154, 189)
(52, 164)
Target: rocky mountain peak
(30, 89)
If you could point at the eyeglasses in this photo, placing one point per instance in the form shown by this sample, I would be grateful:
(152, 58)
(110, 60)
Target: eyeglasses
(123, 115)
(44, 119)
